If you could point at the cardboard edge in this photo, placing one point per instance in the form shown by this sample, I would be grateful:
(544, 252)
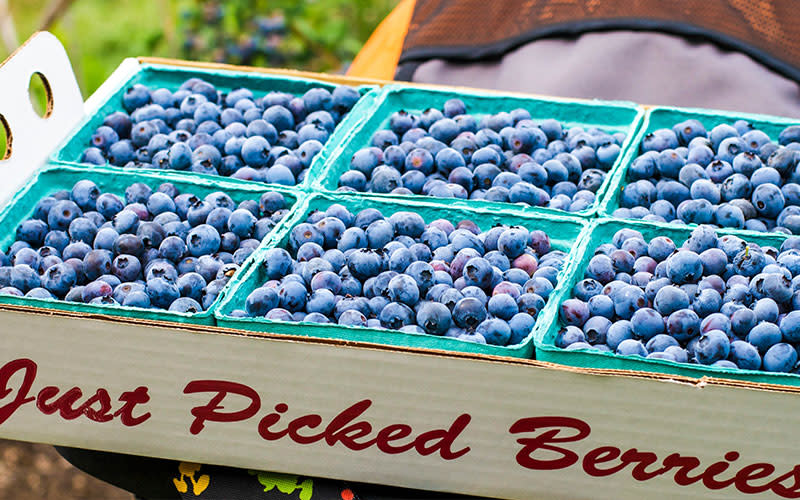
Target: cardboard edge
(336, 79)
(189, 329)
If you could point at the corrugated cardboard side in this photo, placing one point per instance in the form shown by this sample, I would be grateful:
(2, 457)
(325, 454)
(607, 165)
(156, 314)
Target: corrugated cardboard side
(425, 391)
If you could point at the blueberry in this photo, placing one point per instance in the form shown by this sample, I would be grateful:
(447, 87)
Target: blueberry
(260, 301)
(521, 325)
(137, 298)
(619, 331)
(684, 267)
(59, 279)
(661, 343)
(321, 301)
(790, 327)
(478, 272)
(469, 312)
(629, 299)
(780, 357)
(185, 305)
(423, 274)
(435, 318)
(352, 318)
(570, 335)
(96, 289)
(495, 331)
(707, 302)
(670, 299)
(764, 335)
(503, 306)
(647, 323)
(32, 232)
(596, 329)
(601, 305)
(744, 355)
(768, 200)
(631, 347)
(135, 97)
(292, 296)
(403, 288)
(574, 312)
(396, 315)
(683, 324)
(62, 213)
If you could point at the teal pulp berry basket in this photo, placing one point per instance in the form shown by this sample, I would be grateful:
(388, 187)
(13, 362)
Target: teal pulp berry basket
(563, 232)
(665, 117)
(601, 231)
(610, 116)
(57, 177)
(171, 77)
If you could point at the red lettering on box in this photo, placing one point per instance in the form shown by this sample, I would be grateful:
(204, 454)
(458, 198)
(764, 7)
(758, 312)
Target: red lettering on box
(101, 414)
(792, 491)
(753, 472)
(349, 427)
(130, 399)
(709, 476)
(341, 429)
(208, 412)
(393, 433)
(601, 455)
(551, 430)
(685, 465)
(28, 369)
(271, 419)
(63, 405)
(543, 441)
(310, 421)
(443, 440)
(96, 408)
(642, 459)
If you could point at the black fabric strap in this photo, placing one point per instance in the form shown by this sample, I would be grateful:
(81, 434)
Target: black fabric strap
(405, 71)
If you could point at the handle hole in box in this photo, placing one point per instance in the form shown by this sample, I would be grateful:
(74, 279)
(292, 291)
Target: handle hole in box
(41, 95)
(5, 139)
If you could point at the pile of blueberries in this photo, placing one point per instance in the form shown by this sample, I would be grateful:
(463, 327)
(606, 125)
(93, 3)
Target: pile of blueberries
(505, 157)
(153, 249)
(400, 273)
(733, 176)
(717, 301)
(198, 128)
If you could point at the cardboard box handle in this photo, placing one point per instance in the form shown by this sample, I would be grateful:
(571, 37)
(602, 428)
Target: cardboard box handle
(31, 138)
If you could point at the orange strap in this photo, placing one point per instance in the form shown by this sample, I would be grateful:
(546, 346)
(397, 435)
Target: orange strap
(379, 56)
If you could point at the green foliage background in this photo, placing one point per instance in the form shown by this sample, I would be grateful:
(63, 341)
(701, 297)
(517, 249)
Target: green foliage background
(321, 35)
(318, 35)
